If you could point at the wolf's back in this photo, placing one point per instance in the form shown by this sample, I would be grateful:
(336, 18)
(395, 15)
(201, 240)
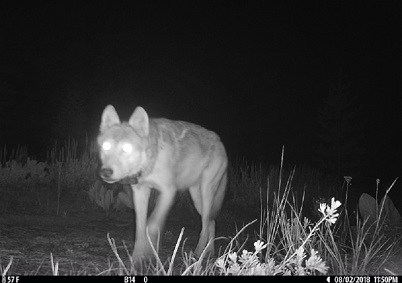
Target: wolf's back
(186, 137)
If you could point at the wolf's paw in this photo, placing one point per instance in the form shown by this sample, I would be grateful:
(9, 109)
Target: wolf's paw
(141, 254)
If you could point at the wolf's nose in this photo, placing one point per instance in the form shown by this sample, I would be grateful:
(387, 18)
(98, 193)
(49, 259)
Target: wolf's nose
(106, 173)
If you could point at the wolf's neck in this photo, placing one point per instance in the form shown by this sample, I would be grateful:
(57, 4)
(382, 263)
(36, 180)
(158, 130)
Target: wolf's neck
(151, 149)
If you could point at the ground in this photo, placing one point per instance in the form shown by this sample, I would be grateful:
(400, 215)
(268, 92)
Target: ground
(77, 239)
(394, 264)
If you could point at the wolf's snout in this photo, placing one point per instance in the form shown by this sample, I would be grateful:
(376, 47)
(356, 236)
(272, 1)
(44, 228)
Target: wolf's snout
(106, 173)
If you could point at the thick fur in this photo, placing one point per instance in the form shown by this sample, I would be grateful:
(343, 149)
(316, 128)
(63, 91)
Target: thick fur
(168, 156)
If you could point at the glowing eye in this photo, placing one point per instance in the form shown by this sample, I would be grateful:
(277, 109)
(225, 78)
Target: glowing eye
(106, 145)
(127, 148)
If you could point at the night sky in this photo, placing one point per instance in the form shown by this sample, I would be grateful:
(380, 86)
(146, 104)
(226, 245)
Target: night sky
(253, 73)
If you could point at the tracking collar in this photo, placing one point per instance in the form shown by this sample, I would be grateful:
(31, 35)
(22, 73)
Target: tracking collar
(131, 180)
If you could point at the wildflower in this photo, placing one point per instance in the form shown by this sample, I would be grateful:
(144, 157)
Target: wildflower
(234, 269)
(220, 263)
(259, 245)
(232, 257)
(315, 263)
(347, 179)
(300, 255)
(246, 255)
(330, 211)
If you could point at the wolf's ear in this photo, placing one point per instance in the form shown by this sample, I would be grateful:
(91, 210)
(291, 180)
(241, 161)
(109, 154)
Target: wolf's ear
(109, 118)
(140, 122)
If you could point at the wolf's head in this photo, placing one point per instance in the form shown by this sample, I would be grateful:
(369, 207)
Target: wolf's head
(123, 145)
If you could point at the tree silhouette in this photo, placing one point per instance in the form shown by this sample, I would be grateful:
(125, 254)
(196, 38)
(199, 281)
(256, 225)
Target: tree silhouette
(341, 146)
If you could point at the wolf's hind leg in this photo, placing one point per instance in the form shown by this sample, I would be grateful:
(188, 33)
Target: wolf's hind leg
(208, 200)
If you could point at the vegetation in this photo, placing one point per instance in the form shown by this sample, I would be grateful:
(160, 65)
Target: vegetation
(292, 220)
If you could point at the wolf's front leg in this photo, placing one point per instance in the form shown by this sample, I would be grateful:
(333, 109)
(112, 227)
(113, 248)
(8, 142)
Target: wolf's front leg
(158, 217)
(141, 195)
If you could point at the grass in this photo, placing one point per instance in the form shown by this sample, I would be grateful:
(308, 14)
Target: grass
(281, 234)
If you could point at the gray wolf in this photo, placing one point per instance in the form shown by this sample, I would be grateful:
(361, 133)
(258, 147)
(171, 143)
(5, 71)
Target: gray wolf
(168, 156)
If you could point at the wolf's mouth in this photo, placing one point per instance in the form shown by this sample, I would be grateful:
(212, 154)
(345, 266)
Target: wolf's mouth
(131, 180)
(107, 173)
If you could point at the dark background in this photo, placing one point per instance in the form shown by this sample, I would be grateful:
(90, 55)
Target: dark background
(255, 73)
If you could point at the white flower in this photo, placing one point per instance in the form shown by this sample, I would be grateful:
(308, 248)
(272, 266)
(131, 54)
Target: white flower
(233, 257)
(315, 263)
(330, 211)
(259, 245)
(220, 263)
